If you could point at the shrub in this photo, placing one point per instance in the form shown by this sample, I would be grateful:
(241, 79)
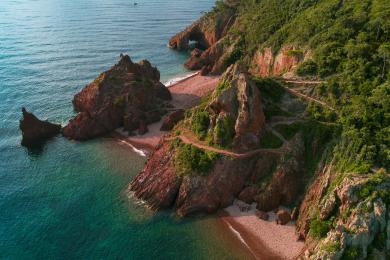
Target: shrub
(224, 130)
(222, 85)
(189, 159)
(351, 253)
(319, 228)
(288, 131)
(269, 140)
(295, 53)
(307, 68)
(200, 123)
(330, 247)
(270, 88)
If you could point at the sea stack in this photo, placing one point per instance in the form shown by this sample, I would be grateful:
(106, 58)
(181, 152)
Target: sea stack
(35, 131)
(128, 95)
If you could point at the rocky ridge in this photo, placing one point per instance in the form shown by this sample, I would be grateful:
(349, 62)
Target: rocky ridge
(266, 178)
(128, 94)
(353, 217)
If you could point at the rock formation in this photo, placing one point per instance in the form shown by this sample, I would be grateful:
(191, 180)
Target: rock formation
(128, 94)
(265, 63)
(236, 97)
(172, 119)
(212, 47)
(205, 32)
(35, 131)
(360, 215)
(282, 217)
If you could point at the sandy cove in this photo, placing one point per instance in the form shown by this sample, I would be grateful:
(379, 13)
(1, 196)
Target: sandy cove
(185, 93)
(265, 240)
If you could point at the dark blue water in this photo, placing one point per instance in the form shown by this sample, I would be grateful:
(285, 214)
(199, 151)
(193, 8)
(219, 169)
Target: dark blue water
(68, 200)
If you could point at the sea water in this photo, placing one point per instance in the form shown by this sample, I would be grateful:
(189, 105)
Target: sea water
(66, 199)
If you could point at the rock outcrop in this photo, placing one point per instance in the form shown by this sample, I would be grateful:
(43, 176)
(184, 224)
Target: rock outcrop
(357, 208)
(34, 131)
(209, 34)
(282, 217)
(266, 63)
(128, 94)
(172, 119)
(206, 31)
(237, 100)
(162, 185)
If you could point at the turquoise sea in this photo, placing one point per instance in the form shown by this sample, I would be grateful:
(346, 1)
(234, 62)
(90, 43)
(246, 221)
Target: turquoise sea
(68, 200)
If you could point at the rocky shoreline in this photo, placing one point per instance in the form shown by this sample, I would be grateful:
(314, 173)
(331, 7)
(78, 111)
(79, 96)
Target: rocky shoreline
(218, 138)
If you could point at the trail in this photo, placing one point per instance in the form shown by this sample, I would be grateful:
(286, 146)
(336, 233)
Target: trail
(189, 140)
(299, 94)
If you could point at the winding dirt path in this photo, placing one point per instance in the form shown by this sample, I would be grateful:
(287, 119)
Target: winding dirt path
(299, 94)
(193, 141)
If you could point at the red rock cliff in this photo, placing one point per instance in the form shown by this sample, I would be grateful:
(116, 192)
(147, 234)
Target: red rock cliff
(128, 94)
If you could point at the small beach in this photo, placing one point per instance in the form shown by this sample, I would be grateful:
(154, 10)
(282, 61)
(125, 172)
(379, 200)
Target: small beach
(262, 239)
(186, 93)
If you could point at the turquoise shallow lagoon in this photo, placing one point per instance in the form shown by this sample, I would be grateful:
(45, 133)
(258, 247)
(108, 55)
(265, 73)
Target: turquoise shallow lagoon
(68, 200)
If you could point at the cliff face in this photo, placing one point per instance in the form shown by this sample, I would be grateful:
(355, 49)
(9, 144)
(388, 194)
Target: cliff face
(128, 94)
(309, 164)
(348, 217)
(216, 48)
(209, 34)
(265, 63)
(232, 118)
(205, 32)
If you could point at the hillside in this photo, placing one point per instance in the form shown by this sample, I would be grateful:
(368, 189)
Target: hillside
(300, 118)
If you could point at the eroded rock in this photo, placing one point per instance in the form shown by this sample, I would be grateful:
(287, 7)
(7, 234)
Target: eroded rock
(172, 119)
(128, 94)
(34, 131)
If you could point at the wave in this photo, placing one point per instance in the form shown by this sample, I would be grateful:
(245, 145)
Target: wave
(179, 78)
(138, 151)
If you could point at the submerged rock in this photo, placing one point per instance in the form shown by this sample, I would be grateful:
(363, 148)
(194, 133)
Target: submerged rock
(34, 131)
(128, 94)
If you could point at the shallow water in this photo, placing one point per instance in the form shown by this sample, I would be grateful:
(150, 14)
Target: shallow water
(68, 200)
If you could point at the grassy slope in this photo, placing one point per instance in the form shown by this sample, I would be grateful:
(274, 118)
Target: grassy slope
(350, 44)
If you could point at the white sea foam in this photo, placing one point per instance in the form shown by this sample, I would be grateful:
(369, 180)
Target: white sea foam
(178, 79)
(238, 235)
(138, 151)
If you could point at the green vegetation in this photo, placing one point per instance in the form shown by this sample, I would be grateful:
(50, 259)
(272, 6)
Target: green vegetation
(289, 131)
(236, 54)
(371, 189)
(224, 131)
(270, 88)
(351, 253)
(319, 140)
(222, 85)
(200, 123)
(274, 110)
(269, 140)
(321, 113)
(330, 247)
(350, 49)
(319, 228)
(307, 68)
(295, 53)
(190, 159)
